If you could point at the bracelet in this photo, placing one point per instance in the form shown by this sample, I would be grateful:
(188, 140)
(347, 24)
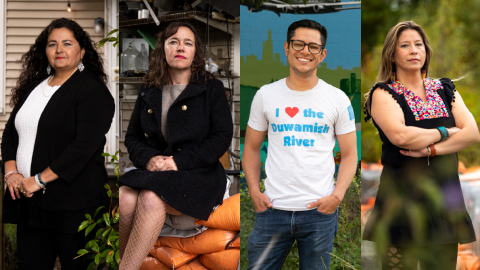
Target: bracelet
(428, 155)
(443, 133)
(40, 179)
(433, 150)
(10, 173)
(40, 183)
(336, 197)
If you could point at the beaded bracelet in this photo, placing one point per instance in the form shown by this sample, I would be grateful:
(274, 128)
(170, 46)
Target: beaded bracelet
(40, 183)
(10, 173)
(443, 133)
(40, 179)
(336, 197)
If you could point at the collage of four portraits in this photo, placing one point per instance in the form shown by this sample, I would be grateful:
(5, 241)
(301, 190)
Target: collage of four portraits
(245, 134)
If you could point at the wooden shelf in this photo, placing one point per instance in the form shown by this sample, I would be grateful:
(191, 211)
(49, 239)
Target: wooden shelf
(165, 18)
(132, 80)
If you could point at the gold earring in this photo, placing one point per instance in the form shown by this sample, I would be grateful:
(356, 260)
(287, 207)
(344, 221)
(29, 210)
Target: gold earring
(164, 63)
(392, 75)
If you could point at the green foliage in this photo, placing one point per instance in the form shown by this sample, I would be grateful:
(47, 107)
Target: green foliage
(11, 261)
(103, 250)
(455, 53)
(110, 38)
(346, 248)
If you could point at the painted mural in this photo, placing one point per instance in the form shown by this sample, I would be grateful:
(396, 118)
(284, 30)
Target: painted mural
(263, 59)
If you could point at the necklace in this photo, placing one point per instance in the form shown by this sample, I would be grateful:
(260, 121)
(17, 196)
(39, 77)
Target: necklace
(50, 79)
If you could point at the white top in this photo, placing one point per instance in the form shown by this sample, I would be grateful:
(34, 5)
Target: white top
(301, 136)
(26, 123)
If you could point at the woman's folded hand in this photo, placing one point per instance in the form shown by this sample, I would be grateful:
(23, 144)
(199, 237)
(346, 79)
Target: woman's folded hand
(170, 165)
(156, 163)
(161, 163)
(29, 186)
(13, 183)
(415, 153)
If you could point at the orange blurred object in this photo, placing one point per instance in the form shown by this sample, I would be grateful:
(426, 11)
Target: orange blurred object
(151, 263)
(365, 208)
(223, 260)
(235, 243)
(226, 216)
(211, 240)
(466, 259)
(472, 169)
(364, 165)
(171, 257)
(193, 265)
(461, 167)
(371, 166)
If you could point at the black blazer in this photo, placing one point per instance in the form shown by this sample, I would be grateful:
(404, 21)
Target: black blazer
(200, 130)
(70, 140)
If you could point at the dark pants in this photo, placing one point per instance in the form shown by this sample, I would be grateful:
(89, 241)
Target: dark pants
(275, 231)
(39, 247)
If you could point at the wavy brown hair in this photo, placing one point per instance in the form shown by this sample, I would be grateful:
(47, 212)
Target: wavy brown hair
(158, 74)
(389, 47)
(35, 61)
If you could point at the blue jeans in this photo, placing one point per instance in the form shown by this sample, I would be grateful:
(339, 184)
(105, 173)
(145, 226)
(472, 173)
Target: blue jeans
(276, 230)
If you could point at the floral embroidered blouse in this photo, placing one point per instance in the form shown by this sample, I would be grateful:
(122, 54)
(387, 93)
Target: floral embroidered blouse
(433, 107)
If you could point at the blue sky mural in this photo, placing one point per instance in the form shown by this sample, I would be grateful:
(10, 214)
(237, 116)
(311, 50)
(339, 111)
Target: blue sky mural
(343, 28)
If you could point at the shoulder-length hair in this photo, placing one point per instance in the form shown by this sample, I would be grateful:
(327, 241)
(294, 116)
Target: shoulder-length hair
(35, 61)
(390, 45)
(158, 74)
(389, 48)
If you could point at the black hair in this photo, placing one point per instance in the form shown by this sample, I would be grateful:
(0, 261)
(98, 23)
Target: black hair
(310, 25)
(35, 62)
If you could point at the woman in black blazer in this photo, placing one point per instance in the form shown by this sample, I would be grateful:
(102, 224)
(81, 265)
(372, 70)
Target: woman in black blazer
(52, 146)
(175, 138)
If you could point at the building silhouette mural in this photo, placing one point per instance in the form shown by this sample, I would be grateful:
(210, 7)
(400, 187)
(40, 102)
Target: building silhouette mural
(263, 59)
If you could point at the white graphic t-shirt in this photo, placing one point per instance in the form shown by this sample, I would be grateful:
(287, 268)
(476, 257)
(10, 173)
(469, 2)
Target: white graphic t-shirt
(301, 136)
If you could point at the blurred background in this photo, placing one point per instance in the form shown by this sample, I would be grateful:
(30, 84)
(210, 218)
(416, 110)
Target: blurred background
(451, 27)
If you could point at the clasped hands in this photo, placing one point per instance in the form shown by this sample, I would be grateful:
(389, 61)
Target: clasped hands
(424, 151)
(326, 205)
(161, 163)
(18, 185)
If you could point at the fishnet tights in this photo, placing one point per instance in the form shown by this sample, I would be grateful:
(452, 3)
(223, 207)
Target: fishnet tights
(394, 260)
(145, 225)
(127, 206)
(437, 257)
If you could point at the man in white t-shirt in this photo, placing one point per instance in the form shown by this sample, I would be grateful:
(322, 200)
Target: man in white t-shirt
(303, 116)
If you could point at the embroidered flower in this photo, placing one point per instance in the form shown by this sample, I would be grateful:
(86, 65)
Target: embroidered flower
(433, 107)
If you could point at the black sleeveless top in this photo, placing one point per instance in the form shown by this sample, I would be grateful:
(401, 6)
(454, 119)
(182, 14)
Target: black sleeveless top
(419, 204)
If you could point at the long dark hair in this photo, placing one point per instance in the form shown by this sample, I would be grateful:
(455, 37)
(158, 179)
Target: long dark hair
(35, 61)
(157, 74)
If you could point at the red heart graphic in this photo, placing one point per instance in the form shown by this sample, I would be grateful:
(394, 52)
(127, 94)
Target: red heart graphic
(291, 111)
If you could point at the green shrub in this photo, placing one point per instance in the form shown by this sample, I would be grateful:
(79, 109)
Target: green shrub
(346, 247)
(11, 261)
(103, 250)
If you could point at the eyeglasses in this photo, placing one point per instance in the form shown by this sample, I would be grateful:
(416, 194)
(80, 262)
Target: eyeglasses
(314, 48)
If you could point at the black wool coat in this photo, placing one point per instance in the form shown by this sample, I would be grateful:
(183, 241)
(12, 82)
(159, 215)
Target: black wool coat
(200, 130)
(70, 140)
